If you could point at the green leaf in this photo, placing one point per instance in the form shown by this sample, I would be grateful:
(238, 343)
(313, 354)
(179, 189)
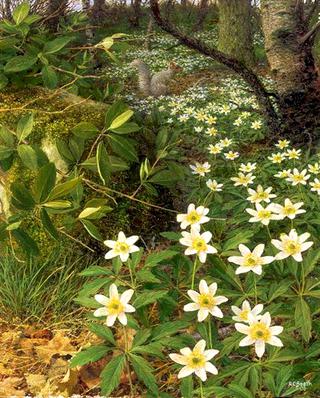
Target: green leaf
(24, 127)
(64, 189)
(186, 387)
(20, 63)
(141, 337)
(165, 178)
(49, 77)
(56, 45)
(103, 332)
(28, 156)
(95, 270)
(145, 275)
(148, 297)
(47, 223)
(91, 354)
(5, 152)
(85, 130)
(6, 136)
(3, 81)
(21, 12)
(241, 392)
(117, 164)
(277, 289)
(156, 258)
(303, 318)
(150, 349)
(126, 128)
(168, 329)
(92, 229)
(45, 182)
(21, 198)
(58, 204)
(26, 242)
(115, 110)
(102, 163)
(121, 119)
(123, 147)
(110, 376)
(144, 372)
(89, 212)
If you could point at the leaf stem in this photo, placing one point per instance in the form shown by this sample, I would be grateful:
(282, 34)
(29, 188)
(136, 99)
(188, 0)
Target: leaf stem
(194, 272)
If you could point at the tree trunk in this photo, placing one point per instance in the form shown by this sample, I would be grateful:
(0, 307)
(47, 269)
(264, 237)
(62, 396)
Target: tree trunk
(293, 67)
(56, 10)
(98, 11)
(136, 13)
(235, 30)
(203, 10)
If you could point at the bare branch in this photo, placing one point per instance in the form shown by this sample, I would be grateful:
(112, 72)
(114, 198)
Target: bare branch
(230, 62)
(311, 34)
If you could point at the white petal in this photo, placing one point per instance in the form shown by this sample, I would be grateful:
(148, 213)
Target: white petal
(209, 367)
(110, 254)
(297, 257)
(201, 373)
(257, 309)
(185, 351)
(113, 291)
(132, 240)
(202, 314)
(275, 330)
(111, 320)
(180, 359)
(193, 295)
(123, 318)
(101, 299)
(275, 341)
(246, 341)
(129, 308)
(213, 288)
(242, 270)
(126, 296)
(236, 260)
(124, 257)
(207, 236)
(202, 257)
(121, 237)
(216, 312)
(242, 328)
(203, 287)
(260, 348)
(209, 354)
(305, 246)
(201, 345)
(185, 372)
(244, 249)
(258, 250)
(110, 243)
(100, 312)
(220, 299)
(266, 319)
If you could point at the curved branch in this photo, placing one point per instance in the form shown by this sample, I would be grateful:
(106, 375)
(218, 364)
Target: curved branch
(309, 36)
(230, 62)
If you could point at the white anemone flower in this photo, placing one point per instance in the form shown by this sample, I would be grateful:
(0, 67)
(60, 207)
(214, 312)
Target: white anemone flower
(197, 244)
(250, 260)
(277, 157)
(195, 361)
(231, 155)
(263, 214)
(314, 168)
(205, 302)
(121, 247)
(293, 153)
(259, 332)
(298, 177)
(292, 245)
(283, 173)
(114, 306)
(242, 314)
(247, 168)
(243, 179)
(289, 209)
(282, 144)
(194, 217)
(200, 169)
(214, 186)
(260, 195)
(315, 186)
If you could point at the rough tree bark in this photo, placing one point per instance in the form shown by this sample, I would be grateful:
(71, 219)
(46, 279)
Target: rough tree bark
(203, 10)
(235, 29)
(294, 109)
(288, 44)
(98, 11)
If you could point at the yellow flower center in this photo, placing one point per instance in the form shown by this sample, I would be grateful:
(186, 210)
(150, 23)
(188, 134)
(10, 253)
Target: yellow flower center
(244, 315)
(264, 214)
(289, 210)
(292, 247)
(250, 260)
(206, 300)
(115, 307)
(196, 360)
(121, 247)
(259, 331)
(193, 217)
(262, 195)
(200, 169)
(316, 185)
(298, 177)
(199, 245)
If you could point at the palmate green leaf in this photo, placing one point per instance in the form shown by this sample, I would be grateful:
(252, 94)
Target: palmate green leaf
(24, 127)
(103, 332)
(168, 329)
(186, 387)
(303, 319)
(20, 63)
(110, 376)
(95, 270)
(52, 47)
(21, 12)
(282, 378)
(254, 380)
(144, 372)
(241, 392)
(28, 156)
(47, 223)
(123, 147)
(154, 349)
(102, 163)
(148, 297)
(145, 275)
(91, 354)
(277, 289)
(156, 258)
(141, 337)
(45, 182)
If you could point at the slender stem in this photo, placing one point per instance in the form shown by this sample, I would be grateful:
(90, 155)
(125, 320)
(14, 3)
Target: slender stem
(127, 361)
(268, 230)
(255, 289)
(194, 272)
(209, 332)
(201, 389)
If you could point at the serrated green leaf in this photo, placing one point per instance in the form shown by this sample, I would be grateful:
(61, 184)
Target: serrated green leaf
(144, 372)
(110, 376)
(103, 332)
(91, 354)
